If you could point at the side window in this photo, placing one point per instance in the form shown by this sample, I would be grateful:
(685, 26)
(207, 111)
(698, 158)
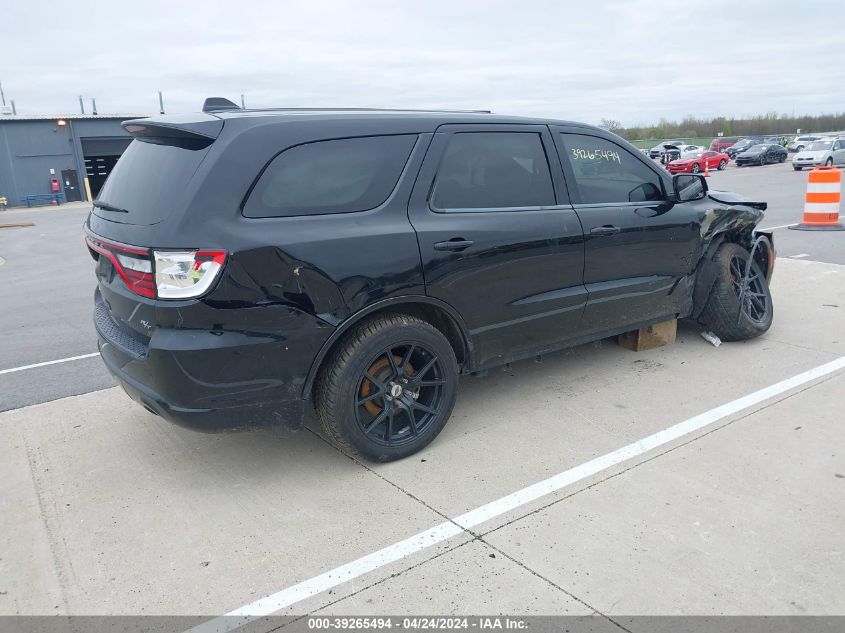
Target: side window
(493, 170)
(338, 176)
(605, 172)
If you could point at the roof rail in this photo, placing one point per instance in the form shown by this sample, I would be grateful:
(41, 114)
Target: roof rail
(234, 107)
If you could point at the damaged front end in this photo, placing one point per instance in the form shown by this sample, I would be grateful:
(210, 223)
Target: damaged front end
(731, 219)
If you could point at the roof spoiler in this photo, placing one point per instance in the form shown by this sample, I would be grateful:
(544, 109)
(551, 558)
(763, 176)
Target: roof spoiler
(196, 132)
(218, 104)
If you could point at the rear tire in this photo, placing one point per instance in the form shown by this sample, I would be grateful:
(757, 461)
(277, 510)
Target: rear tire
(722, 164)
(722, 314)
(389, 388)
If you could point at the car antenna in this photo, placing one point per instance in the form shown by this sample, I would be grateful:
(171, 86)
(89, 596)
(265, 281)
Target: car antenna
(218, 104)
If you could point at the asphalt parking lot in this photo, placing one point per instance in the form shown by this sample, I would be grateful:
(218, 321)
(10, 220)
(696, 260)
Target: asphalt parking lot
(686, 480)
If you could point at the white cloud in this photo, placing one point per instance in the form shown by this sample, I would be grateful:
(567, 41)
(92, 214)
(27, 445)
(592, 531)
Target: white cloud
(634, 60)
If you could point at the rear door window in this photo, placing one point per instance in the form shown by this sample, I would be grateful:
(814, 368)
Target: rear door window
(493, 170)
(337, 176)
(607, 173)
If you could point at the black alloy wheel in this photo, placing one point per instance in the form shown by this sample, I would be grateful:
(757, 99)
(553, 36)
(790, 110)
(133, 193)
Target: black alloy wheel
(399, 394)
(388, 388)
(740, 303)
(751, 294)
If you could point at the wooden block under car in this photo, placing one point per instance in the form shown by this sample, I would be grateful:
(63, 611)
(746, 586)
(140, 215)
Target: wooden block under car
(656, 335)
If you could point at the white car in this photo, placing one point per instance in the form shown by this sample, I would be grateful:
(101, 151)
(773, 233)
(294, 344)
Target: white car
(800, 142)
(829, 151)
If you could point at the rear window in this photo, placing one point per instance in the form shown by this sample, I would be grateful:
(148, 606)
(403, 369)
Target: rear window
(338, 176)
(147, 182)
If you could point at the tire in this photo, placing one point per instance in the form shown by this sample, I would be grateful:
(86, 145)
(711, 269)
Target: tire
(797, 167)
(722, 164)
(828, 162)
(371, 405)
(762, 161)
(695, 168)
(782, 158)
(722, 312)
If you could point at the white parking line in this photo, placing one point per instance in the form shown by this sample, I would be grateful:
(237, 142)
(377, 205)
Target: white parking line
(775, 228)
(49, 362)
(446, 530)
(799, 256)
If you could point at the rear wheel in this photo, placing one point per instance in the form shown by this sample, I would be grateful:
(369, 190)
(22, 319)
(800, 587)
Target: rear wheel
(739, 307)
(389, 389)
(722, 164)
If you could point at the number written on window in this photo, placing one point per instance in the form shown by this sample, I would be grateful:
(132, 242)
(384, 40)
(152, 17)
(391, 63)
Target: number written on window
(607, 173)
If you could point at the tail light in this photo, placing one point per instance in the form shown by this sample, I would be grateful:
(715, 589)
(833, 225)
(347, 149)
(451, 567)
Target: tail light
(186, 274)
(162, 274)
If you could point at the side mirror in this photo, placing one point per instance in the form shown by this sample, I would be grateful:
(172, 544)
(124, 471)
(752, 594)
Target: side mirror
(689, 187)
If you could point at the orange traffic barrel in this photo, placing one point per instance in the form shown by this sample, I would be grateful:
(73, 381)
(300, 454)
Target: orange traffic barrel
(821, 206)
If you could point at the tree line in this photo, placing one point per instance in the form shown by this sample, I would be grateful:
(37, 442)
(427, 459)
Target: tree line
(692, 127)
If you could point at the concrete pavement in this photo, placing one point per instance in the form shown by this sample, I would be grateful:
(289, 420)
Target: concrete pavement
(108, 509)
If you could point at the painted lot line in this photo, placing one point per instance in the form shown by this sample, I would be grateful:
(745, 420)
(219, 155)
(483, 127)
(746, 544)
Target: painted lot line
(48, 362)
(465, 522)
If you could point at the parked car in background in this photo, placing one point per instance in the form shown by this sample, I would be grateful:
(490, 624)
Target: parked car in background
(800, 142)
(694, 162)
(761, 154)
(722, 143)
(674, 152)
(743, 144)
(659, 149)
(830, 151)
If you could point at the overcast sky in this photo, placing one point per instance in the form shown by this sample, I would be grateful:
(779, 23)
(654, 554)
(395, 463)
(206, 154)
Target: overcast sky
(630, 60)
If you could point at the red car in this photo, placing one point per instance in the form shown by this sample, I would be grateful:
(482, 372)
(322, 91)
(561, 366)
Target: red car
(722, 143)
(694, 162)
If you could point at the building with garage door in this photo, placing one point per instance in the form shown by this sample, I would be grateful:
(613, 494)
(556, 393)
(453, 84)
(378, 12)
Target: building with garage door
(71, 155)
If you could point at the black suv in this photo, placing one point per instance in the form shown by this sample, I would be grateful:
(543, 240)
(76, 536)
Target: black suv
(252, 262)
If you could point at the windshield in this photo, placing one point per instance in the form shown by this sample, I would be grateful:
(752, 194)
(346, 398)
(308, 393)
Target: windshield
(818, 146)
(756, 148)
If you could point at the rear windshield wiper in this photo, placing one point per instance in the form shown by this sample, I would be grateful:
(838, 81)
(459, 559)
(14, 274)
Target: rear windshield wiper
(108, 207)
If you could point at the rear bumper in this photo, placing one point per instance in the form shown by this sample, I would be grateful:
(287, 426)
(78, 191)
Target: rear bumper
(212, 380)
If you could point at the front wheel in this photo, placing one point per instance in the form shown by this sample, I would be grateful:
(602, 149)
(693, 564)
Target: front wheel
(695, 168)
(739, 307)
(722, 164)
(389, 389)
(828, 162)
(797, 167)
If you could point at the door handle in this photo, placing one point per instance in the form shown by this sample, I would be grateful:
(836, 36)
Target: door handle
(605, 230)
(455, 244)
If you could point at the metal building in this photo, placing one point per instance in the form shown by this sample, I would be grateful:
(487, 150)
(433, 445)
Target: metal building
(78, 150)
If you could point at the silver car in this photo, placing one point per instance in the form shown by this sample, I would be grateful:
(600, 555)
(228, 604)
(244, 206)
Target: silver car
(828, 151)
(800, 142)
